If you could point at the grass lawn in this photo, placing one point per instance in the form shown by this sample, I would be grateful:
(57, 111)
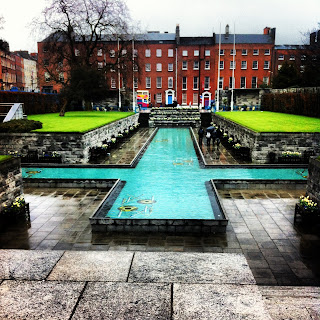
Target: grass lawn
(273, 121)
(4, 158)
(77, 121)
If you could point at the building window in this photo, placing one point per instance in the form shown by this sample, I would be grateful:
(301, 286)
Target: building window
(243, 64)
(254, 64)
(232, 65)
(112, 53)
(184, 65)
(148, 67)
(195, 65)
(159, 82)
(195, 83)
(207, 53)
(195, 99)
(113, 83)
(184, 83)
(148, 82)
(254, 82)
(159, 66)
(170, 52)
(159, 98)
(267, 52)
(135, 53)
(123, 52)
(221, 65)
(135, 67)
(266, 65)
(170, 82)
(99, 53)
(255, 52)
(233, 52)
(281, 57)
(231, 82)
(196, 53)
(265, 80)
(206, 83)
(45, 49)
(279, 66)
(292, 57)
(77, 52)
(185, 53)
(207, 65)
(170, 66)
(244, 52)
(242, 82)
(221, 83)
(148, 53)
(159, 53)
(135, 83)
(303, 57)
(100, 65)
(221, 52)
(184, 98)
(47, 76)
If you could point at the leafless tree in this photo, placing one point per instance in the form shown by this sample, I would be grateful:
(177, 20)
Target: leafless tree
(76, 29)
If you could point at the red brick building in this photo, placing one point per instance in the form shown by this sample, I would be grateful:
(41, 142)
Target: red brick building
(182, 69)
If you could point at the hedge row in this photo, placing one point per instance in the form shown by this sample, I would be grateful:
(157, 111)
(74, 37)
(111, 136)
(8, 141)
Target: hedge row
(34, 103)
(301, 103)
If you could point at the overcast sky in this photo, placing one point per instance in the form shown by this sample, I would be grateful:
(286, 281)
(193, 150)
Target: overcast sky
(291, 18)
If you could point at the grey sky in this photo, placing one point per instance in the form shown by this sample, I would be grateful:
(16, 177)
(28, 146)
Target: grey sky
(291, 18)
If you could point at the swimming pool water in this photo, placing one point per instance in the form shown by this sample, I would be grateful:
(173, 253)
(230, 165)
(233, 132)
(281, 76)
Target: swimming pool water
(167, 183)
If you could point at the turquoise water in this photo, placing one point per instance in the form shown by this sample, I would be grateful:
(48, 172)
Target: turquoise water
(167, 182)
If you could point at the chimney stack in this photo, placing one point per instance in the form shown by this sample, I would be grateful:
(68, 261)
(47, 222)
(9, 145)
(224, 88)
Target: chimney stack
(177, 34)
(227, 31)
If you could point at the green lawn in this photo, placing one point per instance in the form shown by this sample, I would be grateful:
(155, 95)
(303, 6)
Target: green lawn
(77, 121)
(3, 158)
(273, 121)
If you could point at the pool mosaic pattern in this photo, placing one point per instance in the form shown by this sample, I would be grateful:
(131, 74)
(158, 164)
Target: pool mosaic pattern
(167, 183)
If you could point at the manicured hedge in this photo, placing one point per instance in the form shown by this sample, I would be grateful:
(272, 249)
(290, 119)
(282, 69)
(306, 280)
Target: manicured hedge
(18, 126)
(34, 103)
(305, 103)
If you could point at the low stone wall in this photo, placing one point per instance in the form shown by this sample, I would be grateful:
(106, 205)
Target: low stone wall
(73, 147)
(262, 143)
(10, 181)
(313, 186)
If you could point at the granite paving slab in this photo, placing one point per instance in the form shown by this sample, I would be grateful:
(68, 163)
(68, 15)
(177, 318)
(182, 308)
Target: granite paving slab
(92, 266)
(294, 303)
(190, 268)
(216, 301)
(27, 265)
(114, 300)
(38, 299)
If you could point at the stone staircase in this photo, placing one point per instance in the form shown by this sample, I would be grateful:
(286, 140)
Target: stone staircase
(174, 116)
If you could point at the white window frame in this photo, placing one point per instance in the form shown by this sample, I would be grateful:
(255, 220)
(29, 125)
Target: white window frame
(244, 52)
(47, 77)
(148, 67)
(232, 82)
(159, 97)
(195, 99)
(221, 83)
(170, 53)
(255, 65)
(221, 66)
(233, 52)
(232, 65)
(159, 67)
(148, 53)
(184, 65)
(195, 83)
(267, 52)
(77, 52)
(255, 52)
(184, 53)
(207, 65)
(135, 83)
(99, 52)
(123, 52)
(100, 65)
(159, 53)
(206, 83)
(112, 53)
(266, 80)
(207, 53)
(266, 65)
(159, 82)
(170, 67)
(148, 82)
(196, 53)
(184, 98)
(195, 65)
(113, 83)
(135, 53)
(256, 82)
(281, 57)
(170, 82)
(184, 83)
(241, 82)
(244, 65)
(221, 52)
(292, 57)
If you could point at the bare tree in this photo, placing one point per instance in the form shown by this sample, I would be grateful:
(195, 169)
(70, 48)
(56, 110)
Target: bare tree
(76, 29)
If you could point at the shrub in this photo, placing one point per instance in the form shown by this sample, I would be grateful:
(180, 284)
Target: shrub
(18, 126)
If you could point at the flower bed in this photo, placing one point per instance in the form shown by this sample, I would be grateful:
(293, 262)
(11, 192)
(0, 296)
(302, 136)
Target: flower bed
(307, 213)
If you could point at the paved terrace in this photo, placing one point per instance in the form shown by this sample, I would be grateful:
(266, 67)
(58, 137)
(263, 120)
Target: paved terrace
(262, 268)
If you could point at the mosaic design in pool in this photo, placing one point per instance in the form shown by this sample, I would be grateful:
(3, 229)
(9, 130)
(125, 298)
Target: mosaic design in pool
(167, 182)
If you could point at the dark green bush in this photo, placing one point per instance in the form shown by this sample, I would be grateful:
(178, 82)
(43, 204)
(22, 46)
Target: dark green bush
(17, 126)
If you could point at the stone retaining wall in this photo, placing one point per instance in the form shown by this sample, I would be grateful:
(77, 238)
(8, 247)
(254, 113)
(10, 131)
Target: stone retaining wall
(313, 186)
(262, 143)
(10, 181)
(73, 147)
